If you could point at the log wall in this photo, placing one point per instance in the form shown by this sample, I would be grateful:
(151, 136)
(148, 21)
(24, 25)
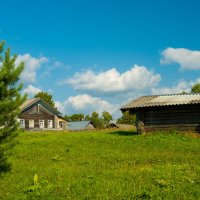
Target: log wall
(37, 114)
(182, 117)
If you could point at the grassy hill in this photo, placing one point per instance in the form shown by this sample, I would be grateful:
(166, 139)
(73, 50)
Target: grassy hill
(103, 165)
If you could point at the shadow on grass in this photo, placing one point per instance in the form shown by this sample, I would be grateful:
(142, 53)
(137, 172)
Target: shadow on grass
(123, 133)
(5, 166)
(7, 142)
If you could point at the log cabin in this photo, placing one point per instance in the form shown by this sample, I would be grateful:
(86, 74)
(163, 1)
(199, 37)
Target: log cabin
(166, 112)
(36, 114)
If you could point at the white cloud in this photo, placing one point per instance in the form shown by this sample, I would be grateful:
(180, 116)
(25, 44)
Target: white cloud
(137, 78)
(31, 66)
(178, 88)
(187, 59)
(57, 63)
(84, 104)
(31, 90)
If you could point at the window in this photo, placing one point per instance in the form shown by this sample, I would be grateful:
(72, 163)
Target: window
(60, 124)
(22, 123)
(50, 124)
(41, 123)
(31, 123)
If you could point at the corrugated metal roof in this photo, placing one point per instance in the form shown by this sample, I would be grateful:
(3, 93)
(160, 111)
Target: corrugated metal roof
(163, 100)
(80, 125)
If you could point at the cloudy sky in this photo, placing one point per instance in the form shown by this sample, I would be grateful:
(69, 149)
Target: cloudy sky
(97, 55)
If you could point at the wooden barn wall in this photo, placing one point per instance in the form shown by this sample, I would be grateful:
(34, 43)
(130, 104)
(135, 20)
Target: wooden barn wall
(169, 117)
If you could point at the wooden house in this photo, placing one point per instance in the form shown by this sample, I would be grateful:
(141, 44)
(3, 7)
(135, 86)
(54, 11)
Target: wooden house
(37, 114)
(161, 112)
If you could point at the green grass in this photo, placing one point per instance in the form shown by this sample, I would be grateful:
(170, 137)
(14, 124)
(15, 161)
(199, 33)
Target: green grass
(103, 165)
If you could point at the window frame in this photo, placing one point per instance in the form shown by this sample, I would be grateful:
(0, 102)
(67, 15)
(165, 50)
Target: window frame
(41, 120)
(22, 125)
(33, 123)
(60, 124)
(50, 122)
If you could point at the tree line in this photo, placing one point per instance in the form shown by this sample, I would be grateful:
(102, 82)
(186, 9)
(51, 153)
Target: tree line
(102, 120)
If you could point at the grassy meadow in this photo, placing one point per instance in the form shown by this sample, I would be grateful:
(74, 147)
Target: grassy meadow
(103, 165)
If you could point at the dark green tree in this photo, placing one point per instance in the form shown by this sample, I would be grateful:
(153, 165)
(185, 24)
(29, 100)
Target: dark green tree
(196, 88)
(46, 97)
(87, 117)
(183, 92)
(96, 120)
(10, 100)
(106, 117)
(75, 117)
(127, 118)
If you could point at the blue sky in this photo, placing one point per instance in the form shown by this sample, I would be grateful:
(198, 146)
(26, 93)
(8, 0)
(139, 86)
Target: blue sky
(96, 55)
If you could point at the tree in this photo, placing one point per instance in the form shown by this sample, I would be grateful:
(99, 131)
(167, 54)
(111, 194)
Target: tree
(96, 120)
(46, 97)
(99, 122)
(127, 118)
(196, 88)
(107, 117)
(183, 92)
(75, 117)
(87, 117)
(10, 100)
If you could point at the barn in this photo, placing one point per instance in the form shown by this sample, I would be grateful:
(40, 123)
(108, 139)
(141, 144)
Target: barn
(164, 112)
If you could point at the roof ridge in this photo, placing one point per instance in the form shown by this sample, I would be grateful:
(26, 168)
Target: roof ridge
(157, 95)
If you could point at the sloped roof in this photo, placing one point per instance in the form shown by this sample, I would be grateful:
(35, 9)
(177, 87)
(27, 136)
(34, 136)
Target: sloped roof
(30, 102)
(163, 100)
(79, 125)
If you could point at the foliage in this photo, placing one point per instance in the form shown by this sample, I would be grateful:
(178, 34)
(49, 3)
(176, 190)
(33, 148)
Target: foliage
(107, 117)
(183, 92)
(87, 117)
(45, 96)
(97, 120)
(196, 88)
(103, 165)
(10, 100)
(75, 117)
(127, 118)
(34, 191)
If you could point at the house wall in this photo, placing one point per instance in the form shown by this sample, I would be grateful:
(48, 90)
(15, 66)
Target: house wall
(36, 119)
(89, 127)
(182, 117)
(35, 113)
(64, 123)
(56, 122)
